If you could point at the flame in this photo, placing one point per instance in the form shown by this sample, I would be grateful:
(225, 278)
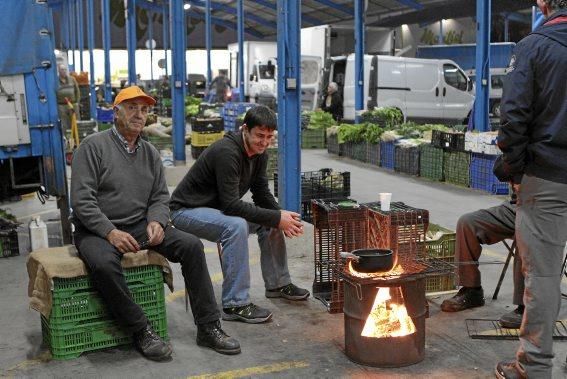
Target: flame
(398, 270)
(387, 319)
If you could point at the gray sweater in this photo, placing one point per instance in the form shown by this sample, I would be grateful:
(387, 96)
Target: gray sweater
(111, 188)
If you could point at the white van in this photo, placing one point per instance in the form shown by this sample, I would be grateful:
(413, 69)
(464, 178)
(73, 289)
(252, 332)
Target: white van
(425, 90)
(497, 76)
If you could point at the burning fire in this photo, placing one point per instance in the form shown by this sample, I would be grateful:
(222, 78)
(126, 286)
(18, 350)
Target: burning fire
(387, 319)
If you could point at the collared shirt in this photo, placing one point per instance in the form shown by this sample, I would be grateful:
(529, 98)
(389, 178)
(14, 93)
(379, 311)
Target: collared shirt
(125, 143)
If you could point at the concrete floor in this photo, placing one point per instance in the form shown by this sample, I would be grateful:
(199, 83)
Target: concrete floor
(303, 340)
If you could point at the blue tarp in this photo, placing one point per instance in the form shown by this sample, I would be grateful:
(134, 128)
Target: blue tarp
(26, 36)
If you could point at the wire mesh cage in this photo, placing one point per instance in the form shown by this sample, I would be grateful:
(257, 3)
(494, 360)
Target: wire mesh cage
(456, 167)
(407, 160)
(431, 162)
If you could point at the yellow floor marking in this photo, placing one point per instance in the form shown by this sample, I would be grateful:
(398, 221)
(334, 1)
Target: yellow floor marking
(215, 278)
(41, 358)
(258, 370)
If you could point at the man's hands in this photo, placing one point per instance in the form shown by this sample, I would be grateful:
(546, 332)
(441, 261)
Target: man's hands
(122, 241)
(290, 224)
(155, 233)
(125, 243)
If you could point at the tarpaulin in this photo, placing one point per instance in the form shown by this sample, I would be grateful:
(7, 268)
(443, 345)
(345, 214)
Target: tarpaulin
(25, 29)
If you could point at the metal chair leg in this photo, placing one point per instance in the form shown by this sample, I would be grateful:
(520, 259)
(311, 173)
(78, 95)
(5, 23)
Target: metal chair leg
(511, 253)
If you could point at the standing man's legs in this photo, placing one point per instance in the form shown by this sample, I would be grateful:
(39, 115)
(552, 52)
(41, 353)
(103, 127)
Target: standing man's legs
(541, 224)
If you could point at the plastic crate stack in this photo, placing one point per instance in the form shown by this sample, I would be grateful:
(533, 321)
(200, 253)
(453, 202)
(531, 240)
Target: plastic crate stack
(333, 146)
(204, 132)
(387, 154)
(79, 321)
(336, 228)
(456, 159)
(406, 159)
(440, 244)
(373, 153)
(272, 162)
(231, 111)
(313, 139)
(324, 184)
(104, 118)
(431, 162)
(84, 102)
(86, 128)
(9, 243)
(356, 151)
(484, 154)
(401, 229)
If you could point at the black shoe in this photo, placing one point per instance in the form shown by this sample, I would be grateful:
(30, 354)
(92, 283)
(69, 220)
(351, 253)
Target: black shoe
(150, 344)
(250, 313)
(290, 292)
(512, 320)
(508, 370)
(464, 299)
(212, 336)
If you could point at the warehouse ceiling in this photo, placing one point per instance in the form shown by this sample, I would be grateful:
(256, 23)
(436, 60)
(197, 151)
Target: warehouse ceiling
(261, 17)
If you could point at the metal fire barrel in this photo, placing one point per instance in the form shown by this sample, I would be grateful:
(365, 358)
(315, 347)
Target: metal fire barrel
(386, 351)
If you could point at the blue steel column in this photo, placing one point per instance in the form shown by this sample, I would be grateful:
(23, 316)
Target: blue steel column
(151, 39)
(80, 34)
(72, 27)
(165, 33)
(208, 41)
(131, 40)
(65, 27)
(440, 42)
(358, 58)
(289, 103)
(90, 36)
(178, 88)
(105, 5)
(537, 17)
(240, 34)
(481, 107)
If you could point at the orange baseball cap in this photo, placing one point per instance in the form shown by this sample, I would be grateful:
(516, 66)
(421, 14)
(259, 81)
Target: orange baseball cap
(133, 92)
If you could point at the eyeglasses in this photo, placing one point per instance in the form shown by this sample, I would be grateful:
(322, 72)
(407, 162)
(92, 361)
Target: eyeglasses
(133, 108)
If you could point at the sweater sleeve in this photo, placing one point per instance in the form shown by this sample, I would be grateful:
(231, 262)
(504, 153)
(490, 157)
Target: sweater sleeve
(84, 188)
(228, 178)
(158, 209)
(261, 194)
(517, 113)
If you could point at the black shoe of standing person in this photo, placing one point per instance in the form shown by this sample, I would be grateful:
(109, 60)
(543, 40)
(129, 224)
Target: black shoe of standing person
(212, 336)
(513, 319)
(290, 292)
(250, 313)
(150, 344)
(466, 298)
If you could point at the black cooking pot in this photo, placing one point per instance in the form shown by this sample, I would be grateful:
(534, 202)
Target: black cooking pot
(371, 260)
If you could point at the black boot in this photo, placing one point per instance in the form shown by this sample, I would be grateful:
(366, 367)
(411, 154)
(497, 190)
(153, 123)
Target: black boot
(150, 344)
(466, 298)
(212, 336)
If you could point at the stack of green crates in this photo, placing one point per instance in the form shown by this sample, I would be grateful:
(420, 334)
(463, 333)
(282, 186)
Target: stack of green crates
(431, 162)
(456, 167)
(79, 321)
(272, 162)
(161, 143)
(313, 139)
(441, 248)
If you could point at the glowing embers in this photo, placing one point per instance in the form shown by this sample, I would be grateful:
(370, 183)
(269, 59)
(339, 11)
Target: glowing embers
(388, 318)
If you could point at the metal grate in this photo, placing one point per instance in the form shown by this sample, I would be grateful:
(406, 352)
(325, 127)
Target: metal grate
(491, 330)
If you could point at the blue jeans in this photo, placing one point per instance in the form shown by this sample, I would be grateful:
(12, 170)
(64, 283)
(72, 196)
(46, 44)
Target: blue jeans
(232, 234)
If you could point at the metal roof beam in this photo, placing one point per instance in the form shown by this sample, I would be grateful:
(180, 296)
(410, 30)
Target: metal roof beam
(226, 24)
(339, 7)
(411, 3)
(309, 19)
(231, 10)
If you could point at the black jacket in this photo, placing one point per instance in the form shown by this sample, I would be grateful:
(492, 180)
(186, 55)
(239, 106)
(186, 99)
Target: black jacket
(336, 107)
(222, 175)
(533, 135)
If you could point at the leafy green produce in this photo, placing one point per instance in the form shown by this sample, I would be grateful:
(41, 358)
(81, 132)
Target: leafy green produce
(372, 133)
(320, 120)
(351, 133)
(191, 100)
(192, 109)
(386, 117)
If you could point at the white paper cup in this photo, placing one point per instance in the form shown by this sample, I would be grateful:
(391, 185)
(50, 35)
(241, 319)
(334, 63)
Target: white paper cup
(385, 198)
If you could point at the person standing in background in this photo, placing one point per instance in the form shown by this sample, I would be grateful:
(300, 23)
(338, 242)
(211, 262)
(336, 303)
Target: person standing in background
(333, 102)
(68, 90)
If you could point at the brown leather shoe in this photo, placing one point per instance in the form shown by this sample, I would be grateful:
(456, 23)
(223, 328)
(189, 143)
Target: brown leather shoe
(508, 370)
(466, 298)
(513, 319)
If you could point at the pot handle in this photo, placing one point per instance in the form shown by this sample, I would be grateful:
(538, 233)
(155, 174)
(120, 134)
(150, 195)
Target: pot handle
(344, 254)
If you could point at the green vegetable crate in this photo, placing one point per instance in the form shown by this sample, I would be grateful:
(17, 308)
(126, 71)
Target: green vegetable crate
(456, 167)
(272, 162)
(79, 321)
(440, 244)
(313, 139)
(431, 162)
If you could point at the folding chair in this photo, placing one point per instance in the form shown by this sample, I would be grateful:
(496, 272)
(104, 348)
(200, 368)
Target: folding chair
(511, 253)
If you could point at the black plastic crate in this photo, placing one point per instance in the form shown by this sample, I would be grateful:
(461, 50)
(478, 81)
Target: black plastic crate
(448, 140)
(355, 150)
(196, 151)
(322, 184)
(407, 160)
(333, 146)
(202, 125)
(9, 243)
(373, 153)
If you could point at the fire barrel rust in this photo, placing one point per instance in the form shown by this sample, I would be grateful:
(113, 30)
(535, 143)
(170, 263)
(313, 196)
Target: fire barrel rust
(386, 351)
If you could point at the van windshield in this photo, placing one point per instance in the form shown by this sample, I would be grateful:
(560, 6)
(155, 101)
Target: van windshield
(267, 71)
(454, 77)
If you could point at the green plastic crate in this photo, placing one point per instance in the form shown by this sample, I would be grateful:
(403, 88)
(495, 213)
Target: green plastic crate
(456, 167)
(443, 246)
(161, 143)
(87, 304)
(102, 126)
(272, 162)
(69, 343)
(431, 162)
(440, 283)
(313, 139)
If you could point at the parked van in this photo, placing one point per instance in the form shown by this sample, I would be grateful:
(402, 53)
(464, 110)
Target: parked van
(497, 76)
(424, 90)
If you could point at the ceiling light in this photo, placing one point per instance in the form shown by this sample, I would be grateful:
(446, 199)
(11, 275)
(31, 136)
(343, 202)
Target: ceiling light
(186, 6)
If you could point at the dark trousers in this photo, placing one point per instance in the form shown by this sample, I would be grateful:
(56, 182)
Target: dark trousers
(486, 227)
(103, 261)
